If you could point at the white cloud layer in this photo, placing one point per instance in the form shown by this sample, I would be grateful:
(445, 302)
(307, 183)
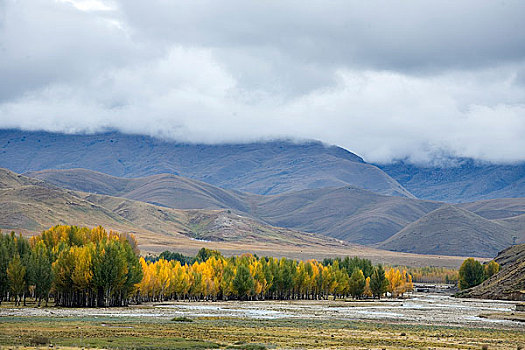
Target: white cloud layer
(387, 80)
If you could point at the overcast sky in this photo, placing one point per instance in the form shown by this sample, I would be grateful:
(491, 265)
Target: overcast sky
(385, 79)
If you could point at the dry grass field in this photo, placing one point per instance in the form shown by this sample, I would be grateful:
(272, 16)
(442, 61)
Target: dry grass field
(389, 324)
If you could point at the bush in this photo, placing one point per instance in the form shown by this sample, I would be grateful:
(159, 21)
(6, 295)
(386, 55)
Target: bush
(39, 340)
(181, 319)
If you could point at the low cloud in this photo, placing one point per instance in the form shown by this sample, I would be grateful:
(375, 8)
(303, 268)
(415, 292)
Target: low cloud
(390, 83)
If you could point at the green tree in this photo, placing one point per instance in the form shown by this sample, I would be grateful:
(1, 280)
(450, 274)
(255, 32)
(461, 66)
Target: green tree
(243, 282)
(4, 262)
(357, 283)
(42, 271)
(284, 279)
(204, 254)
(134, 274)
(16, 273)
(109, 271)
(378, 282)
(491, 269)
(471, 273)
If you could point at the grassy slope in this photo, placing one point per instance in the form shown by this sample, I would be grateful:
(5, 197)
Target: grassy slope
(30, 206)
(163, 189)
(508, 212)
(454, 230)
(509, 282)
(346, 213)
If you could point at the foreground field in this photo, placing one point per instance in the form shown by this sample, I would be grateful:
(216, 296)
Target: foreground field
(423, 322)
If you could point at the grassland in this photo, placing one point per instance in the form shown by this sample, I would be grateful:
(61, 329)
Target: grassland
(204, 333)
(141, 328)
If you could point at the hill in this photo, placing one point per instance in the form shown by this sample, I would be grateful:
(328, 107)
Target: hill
(497, 209)
(29, 206)
(345, 213)
(509, 282)
(261, 168)
(463, 181)
(34, 205)
(164, 189)
(508, 212)
(454, 230)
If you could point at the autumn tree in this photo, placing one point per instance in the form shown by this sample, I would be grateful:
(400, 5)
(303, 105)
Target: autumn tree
(491, 269)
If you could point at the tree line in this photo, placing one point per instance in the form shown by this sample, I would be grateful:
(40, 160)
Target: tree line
(211, 276)
(83, 267)
(77, 265)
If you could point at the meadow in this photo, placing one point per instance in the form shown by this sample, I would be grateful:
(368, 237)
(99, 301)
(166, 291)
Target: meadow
(421, 322)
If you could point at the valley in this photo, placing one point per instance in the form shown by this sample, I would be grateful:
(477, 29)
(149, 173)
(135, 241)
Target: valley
(30, 206)
(246, 175)
(348, 214)
(265, 325)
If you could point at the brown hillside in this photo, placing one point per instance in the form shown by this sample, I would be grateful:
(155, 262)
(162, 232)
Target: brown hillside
(509, 282)
(29, 206)
(496, 209)
(345, 213)
(453, 230)
(164, 189)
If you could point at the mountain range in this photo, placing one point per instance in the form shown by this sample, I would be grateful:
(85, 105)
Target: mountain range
(283, 187)
(29, 205)
(345, 213)
(461, 180)
(261, 168)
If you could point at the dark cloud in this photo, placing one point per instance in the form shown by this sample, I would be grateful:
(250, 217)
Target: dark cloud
(397, 79)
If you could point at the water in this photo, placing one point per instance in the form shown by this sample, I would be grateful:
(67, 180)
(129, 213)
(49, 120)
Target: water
(421, 308)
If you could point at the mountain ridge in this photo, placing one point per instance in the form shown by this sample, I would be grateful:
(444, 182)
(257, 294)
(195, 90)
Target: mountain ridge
(463, 180)
(262, 168)
(453, 229)
(346, 213)
(38, 205)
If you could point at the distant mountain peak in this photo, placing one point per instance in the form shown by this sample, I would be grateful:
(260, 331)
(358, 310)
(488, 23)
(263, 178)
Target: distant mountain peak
(454, 230)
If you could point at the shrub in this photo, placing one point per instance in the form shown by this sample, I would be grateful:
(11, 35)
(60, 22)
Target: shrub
(181, 319)
(39, 340)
